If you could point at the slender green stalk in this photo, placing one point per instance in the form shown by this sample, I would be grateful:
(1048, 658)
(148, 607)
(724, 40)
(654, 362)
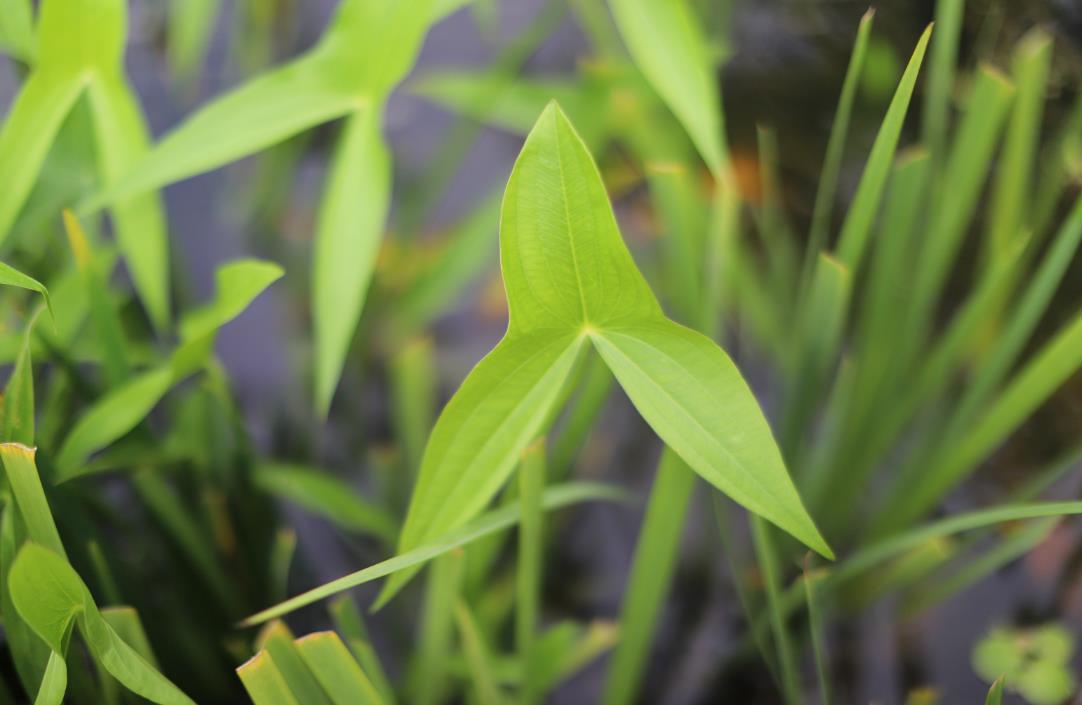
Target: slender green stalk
(828, 179)
(941, 70)
(767, 555)
(531, 483)
(651, 572)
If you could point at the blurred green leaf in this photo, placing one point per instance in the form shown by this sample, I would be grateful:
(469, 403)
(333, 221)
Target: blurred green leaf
(665, 40)
(51, 598)
(335, 670)
(484, 525)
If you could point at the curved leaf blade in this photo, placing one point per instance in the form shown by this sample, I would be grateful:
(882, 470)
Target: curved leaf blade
(690, 392)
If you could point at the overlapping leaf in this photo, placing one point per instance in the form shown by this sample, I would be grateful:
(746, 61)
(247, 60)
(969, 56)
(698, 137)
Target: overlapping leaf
(80, 48)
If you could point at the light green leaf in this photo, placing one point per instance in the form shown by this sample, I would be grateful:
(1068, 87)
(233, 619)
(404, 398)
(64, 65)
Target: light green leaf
(27, 132)
(50, 596)
(333, 667)
(126, 623)
(528, 581)
(17, 422)
(191, 23)
(651, 575)
(665, 40)
(22, 473)
(565, 265)
(17, 29)
(995, 693)
(12, 277)
(327, 496)
(237, 284)
(858, 222)
(264, 682)
(258, 114)
(476, 443)
(478, 659)
(125, 406)
(139, 222)
(277, 640)
(484, 525)
(693, 396)
(351, 220)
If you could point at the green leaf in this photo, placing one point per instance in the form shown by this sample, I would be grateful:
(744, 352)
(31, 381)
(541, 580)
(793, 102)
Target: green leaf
(17, 422)
(692, 395)
(126, 623)
(528, 581)
(277, 640)
(476, 443)
(665, 40)
(13, 277)
(326, 496)
(139, 222)
(264, 682)
(565, 265)
(335, 670)
(27, 132)
(1010, 200)
(22, 473)
(17, 29)
(266, 110)
(651, 574)
(125, 406)
(826, 192)
(190, 26)
(348, 622)
(484, 525)
(351, 220)
(237, 284)
(50, 596)
(942, 63)
(858, 221)
(477, 657)
(995, 693)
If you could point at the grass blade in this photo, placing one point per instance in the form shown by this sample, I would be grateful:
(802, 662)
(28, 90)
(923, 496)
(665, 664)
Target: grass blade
(276, 639)
(666, 43)
(941, 69)
(477, 657)
(264, 682)
(10, 276)
(531, 484)
(484, 525)
(351, 219)
(1010, 209)
(862, 211)
(336, 671)
(827, 190)
(322, 494)
(651, 574)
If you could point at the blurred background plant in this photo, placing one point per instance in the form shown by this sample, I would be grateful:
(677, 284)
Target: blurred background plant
(882, 224)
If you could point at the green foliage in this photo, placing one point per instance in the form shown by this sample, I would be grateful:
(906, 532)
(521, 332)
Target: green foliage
(888, 363)
(1035, 662)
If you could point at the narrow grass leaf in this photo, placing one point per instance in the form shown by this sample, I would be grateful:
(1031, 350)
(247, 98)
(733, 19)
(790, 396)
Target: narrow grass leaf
(1013, 187)
(428, 678)
(484, 525)
(995, 693)
(17, 422)
(22, 474)
(858, 222)
(139, 222)
(264, 682)
(276, 639)
(334, 668)
(348, 231)
(528, 581)
(827, 190)
(1049, 368)
(941, 70)
(666, 43)
(322, 494)
(27, 132)
(477, 657)
(50, 596)
(191, 23)
(126, 623)
(767, 557)
(651, 574)
(349, 623)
